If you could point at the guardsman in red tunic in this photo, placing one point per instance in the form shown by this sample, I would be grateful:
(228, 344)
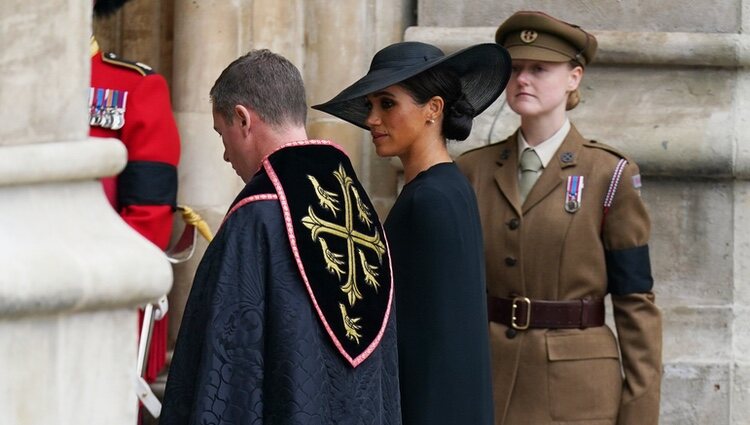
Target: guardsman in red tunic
(129, 102)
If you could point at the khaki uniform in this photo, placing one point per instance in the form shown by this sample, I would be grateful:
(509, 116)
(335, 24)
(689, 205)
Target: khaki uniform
(541, 251)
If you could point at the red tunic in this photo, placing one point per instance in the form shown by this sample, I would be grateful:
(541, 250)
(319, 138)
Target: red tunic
(145, 192)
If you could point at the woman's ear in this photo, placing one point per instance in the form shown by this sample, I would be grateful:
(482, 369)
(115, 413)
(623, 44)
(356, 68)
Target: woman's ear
(574, 78)
(434, 108)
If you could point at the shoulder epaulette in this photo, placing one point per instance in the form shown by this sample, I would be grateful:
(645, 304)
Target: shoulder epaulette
(602, 146)
(484, 147)
(138, 67)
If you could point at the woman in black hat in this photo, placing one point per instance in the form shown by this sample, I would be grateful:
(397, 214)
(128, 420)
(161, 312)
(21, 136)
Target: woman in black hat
(412, 100)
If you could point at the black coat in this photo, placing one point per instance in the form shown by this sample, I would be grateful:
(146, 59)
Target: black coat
(438, 265)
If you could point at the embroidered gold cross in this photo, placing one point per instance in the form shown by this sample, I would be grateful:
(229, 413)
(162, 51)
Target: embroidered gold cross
(356, 242)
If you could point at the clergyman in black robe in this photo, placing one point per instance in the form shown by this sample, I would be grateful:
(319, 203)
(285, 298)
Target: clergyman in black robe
(289, 320)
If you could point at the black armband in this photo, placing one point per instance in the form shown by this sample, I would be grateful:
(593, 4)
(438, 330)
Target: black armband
(629, 271)
(147, 183)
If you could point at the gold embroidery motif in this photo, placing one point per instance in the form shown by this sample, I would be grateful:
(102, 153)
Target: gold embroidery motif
(350, 324)
(369, 271)
(355, 241)
(326, 199)
(363, 211)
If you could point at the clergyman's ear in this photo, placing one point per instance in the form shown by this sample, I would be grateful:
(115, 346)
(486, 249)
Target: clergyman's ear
(242, 114)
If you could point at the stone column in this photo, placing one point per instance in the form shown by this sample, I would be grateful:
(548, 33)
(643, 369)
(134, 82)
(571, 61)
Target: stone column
(279, 25)
(337, 54)
(71, 271)
(740, 390)
(341, 42)
(208, 35)
(140, 31)
(145, 35)
(383, 177)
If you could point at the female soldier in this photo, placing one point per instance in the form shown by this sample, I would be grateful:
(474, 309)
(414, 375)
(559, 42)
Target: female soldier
(564, 225)
(411, 100)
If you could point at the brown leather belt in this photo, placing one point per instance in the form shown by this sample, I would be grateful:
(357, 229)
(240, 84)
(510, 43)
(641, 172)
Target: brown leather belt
(523, 313)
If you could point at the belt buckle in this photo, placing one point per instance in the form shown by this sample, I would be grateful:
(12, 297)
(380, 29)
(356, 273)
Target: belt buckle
(514, 308)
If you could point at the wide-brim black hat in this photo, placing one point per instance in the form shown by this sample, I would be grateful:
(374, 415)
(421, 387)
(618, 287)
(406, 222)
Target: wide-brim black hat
(483, 69)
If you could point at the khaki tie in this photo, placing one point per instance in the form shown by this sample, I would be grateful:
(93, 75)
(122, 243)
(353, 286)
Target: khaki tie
(531, 167)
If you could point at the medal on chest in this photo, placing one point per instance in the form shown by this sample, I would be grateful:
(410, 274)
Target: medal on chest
(573, 193)
(107, 108)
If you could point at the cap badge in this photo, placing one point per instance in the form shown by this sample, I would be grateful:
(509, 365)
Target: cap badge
(528, 36)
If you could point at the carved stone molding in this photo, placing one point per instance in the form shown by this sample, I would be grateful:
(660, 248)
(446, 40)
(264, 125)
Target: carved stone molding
(620, 47)
(61, 161)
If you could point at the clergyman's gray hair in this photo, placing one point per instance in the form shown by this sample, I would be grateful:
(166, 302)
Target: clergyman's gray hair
(265, 82)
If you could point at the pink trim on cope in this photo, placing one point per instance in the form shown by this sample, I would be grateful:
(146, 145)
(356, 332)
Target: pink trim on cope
(249, 199)
(295, 251)
(310, 142)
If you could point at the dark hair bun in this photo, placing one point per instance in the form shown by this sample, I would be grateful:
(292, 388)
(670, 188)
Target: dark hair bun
(458, 120)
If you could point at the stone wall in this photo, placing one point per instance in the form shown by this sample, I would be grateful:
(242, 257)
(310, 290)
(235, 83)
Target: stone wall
(703, 16)
(669, 87)
(71, 272)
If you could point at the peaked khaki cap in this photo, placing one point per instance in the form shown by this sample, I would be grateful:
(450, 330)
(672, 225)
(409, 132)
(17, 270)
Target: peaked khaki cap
(538, 36)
